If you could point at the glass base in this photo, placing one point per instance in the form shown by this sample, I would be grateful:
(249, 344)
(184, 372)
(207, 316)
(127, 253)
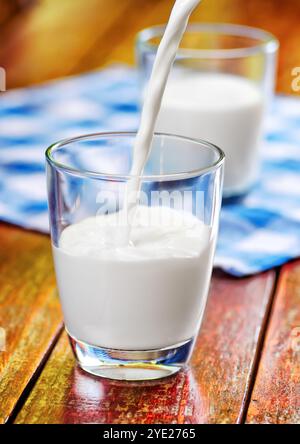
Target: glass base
(140, 365)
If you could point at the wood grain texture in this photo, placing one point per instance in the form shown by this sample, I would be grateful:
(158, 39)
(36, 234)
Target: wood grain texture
(55, 39)
(276, 395)
(213, 390)
(29, 311)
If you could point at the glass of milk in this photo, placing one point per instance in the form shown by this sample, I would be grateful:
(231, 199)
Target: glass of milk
(219, 89)
(133, 286)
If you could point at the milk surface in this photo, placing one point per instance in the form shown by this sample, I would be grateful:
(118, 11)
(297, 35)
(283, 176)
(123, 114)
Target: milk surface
(147, 295)
(224, 109)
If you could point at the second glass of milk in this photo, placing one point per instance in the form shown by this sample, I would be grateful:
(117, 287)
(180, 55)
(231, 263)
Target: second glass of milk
(133, 287)
(219, 89)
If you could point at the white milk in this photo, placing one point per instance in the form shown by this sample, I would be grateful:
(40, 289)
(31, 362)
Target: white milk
(147, 295)
(224, 109)
(163, 62)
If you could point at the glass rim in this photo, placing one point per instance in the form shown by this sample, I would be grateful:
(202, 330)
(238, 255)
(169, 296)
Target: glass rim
(268, 43)
(125, 177)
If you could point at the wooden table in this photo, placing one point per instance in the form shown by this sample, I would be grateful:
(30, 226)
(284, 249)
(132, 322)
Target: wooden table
(246, 365)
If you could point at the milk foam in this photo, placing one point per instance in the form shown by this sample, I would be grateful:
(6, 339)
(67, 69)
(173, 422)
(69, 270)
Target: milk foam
(157, 232)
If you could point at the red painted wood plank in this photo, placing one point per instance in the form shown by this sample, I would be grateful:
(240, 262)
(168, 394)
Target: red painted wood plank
(213, 390)
(276, 394)
(30, 313)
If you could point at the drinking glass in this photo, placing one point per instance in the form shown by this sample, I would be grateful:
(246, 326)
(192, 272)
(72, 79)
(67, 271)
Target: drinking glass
(128, 315)
(219, 89)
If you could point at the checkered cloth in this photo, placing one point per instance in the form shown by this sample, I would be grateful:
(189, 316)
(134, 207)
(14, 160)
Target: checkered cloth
(257, 233)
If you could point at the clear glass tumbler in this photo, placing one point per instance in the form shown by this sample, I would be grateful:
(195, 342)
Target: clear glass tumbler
(133, 305)
(219, 88)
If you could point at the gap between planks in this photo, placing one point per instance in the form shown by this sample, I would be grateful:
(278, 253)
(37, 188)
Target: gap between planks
(35, 376)
(260, 345)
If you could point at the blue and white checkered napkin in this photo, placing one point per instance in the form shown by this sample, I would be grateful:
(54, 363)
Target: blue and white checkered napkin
(259, 232)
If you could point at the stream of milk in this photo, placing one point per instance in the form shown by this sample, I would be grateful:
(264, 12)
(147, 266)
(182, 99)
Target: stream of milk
(148, 293)
(163, 63)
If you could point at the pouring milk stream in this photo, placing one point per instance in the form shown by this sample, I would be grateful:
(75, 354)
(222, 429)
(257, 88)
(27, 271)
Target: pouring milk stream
(161, 69)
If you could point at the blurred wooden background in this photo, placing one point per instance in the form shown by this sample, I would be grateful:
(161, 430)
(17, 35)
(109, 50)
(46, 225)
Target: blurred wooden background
(46, 39)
